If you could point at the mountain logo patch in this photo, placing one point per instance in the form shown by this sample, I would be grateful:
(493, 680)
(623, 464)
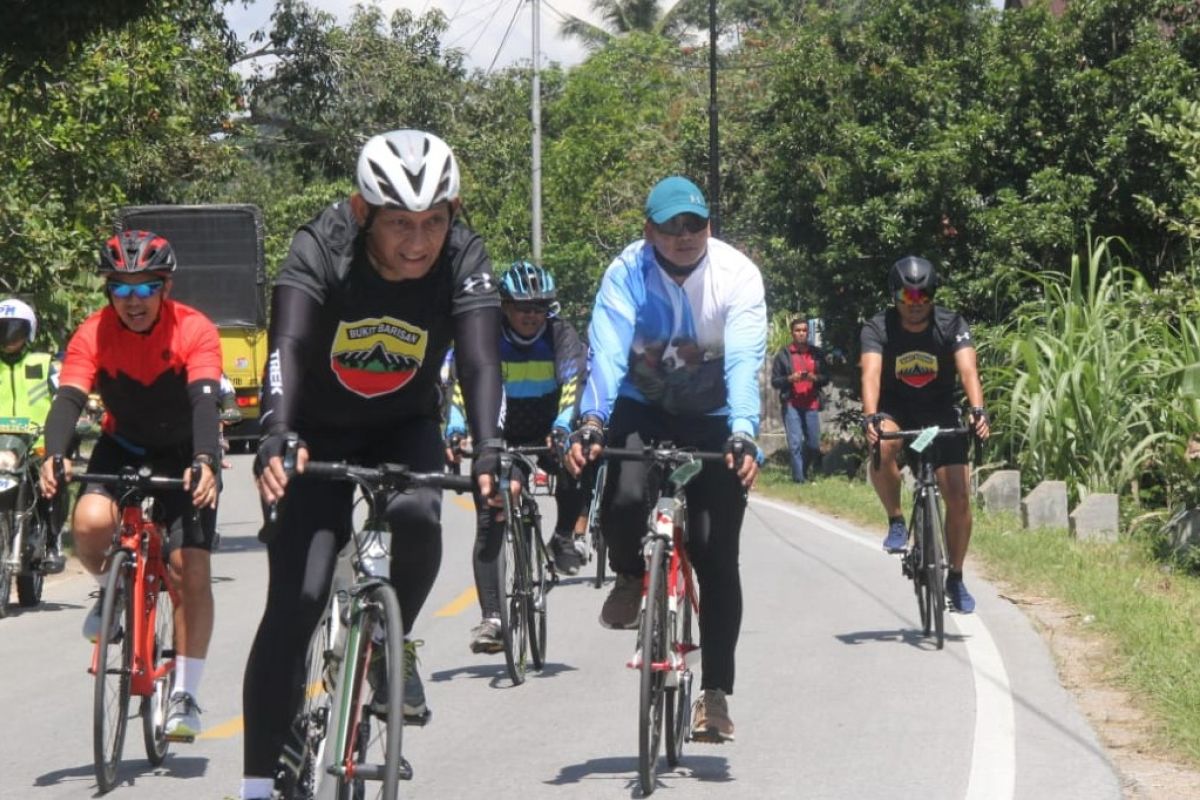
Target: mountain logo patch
(916, 368)
(377, 355)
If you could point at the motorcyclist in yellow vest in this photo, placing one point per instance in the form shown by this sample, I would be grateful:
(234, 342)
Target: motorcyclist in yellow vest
(26, 386)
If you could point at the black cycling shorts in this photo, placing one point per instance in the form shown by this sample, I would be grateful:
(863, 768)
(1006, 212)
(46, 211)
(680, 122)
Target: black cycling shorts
(947, 450)
(187, 526)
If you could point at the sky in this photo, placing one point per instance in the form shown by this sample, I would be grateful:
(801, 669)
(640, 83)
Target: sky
(476, 26)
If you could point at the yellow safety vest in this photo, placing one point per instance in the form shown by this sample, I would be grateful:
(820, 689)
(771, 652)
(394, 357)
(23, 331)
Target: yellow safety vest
(25, 388)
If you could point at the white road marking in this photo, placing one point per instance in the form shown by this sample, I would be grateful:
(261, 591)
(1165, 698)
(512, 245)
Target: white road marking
(993, 751)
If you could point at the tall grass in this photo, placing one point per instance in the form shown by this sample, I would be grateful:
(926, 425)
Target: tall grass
(1088, 382)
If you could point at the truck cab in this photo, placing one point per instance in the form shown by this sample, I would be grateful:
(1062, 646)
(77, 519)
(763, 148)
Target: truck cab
(222, 272)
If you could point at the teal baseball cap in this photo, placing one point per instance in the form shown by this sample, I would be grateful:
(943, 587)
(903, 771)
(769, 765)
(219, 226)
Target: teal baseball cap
(672, 196)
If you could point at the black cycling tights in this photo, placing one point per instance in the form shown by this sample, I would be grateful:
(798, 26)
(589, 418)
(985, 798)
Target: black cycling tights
(315, 525)
(716, 506)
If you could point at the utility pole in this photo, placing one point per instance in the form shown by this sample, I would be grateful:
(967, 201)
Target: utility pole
(536, 177)
(714, 153)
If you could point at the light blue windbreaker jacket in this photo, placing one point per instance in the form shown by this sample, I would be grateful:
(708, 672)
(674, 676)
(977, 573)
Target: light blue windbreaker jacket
(690, 349)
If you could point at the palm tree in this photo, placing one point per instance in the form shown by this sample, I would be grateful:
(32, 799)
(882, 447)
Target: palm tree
(626, 16)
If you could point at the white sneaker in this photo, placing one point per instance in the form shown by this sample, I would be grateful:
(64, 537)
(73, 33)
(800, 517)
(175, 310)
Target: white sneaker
(91, 623)
(183, 717)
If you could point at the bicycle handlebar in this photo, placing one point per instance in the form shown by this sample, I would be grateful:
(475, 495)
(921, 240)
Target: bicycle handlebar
(388, 476)
(941, 433)
(665, 453)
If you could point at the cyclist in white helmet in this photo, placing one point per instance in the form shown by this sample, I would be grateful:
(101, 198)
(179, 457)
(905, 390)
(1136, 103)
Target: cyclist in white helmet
(370, 297)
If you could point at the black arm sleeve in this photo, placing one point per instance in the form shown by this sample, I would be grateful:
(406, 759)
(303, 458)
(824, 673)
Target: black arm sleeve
(206, 421)
(477, 360)
(570, 367)
(294, 315)
(60, 422)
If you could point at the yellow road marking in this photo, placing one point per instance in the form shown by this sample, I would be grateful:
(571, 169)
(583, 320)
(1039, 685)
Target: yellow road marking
(236, 725)
(463, 502)
(458, 604)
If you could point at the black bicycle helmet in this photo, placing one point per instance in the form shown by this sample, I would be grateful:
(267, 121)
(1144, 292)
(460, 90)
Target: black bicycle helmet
(131, 252)
(912, 272)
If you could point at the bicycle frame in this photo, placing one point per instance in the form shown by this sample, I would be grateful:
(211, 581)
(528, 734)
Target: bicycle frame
(142, 539)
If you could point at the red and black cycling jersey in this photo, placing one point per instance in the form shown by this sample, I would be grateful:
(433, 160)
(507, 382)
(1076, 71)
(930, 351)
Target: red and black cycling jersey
(918, 368)
(149, 382)
(349, 349)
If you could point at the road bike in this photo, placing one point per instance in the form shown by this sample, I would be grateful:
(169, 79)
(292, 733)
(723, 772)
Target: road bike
(343, 745)
(525, 571)
(666, 647)
(135, 651)
(925, 561)
(25, 524)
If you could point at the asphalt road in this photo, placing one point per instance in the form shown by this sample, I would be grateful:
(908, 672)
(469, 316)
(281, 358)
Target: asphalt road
(838, 695)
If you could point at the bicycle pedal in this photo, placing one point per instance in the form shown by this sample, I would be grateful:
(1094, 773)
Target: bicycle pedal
(179, 739)
(406, 770)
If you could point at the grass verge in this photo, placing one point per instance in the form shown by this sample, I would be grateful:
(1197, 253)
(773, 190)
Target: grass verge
(1148, 613)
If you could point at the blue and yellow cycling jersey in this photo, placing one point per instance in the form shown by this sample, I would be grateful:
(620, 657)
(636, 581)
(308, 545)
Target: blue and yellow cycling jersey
(542, 379)
(694, 348)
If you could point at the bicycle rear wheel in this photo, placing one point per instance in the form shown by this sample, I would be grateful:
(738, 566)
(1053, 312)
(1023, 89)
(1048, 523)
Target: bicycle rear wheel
(679, 698)
(371, 730)
(936, 560)
(538, 600)
(114, 659)
(514, 604)
(154, 706)
(652, 644)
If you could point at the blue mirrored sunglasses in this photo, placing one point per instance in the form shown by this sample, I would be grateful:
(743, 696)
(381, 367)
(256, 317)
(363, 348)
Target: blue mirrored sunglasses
(679, 223)
(122, 291)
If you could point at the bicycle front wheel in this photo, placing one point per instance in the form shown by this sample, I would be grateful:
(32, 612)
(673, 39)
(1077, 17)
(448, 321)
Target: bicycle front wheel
(154, 706)
(513, 564)
(371, 704)
(679, 699)
(598, 544)
(114, 661)
(916, 565)
(935, 558)
(7, 529)
(652, 644)
(539, 590)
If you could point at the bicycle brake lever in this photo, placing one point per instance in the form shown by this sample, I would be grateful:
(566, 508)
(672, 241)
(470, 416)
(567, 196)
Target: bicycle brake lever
(270, 528)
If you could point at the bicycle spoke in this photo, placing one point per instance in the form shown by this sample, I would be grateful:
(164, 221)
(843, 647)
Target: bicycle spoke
(154, 707)
(652, 642)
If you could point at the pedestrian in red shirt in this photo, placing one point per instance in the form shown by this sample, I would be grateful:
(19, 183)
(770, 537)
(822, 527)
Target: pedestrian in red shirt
(798, 373)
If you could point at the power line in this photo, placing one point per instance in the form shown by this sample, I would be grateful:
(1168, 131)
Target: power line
(507, 31)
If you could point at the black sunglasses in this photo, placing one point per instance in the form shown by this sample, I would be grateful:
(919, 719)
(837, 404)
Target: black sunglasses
(679, 223)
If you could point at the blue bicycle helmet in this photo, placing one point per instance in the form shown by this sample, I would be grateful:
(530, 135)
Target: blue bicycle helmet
(525, 282)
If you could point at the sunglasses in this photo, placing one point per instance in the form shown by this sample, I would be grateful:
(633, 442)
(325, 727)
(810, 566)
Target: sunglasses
(531, 308)
(123, 291)
(913, 297)
(676, 225)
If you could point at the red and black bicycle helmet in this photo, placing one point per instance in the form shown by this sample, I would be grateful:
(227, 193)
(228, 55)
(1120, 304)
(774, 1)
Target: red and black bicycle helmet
(137, 251)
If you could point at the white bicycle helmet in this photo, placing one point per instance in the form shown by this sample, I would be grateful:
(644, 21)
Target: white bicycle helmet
(17, 321)
(407, 169)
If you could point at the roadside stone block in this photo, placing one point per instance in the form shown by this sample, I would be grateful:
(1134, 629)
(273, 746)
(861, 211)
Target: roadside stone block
(1046, 506)
(1184, 530)
(1001, 491)
(1096, 519)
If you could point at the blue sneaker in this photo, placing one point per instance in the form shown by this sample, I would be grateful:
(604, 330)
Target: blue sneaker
(897, 537)
(958, 596)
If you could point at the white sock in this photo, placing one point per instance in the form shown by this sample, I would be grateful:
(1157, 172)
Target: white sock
(188, 672)
(257, 788)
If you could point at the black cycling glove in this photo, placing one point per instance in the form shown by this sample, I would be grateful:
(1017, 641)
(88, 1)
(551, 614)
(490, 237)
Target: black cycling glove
(487, 459)
(588, 432)
(276, 444)
(739, 445)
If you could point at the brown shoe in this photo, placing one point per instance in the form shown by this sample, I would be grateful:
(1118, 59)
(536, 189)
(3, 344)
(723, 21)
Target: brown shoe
(710, 718)
(623, 604)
